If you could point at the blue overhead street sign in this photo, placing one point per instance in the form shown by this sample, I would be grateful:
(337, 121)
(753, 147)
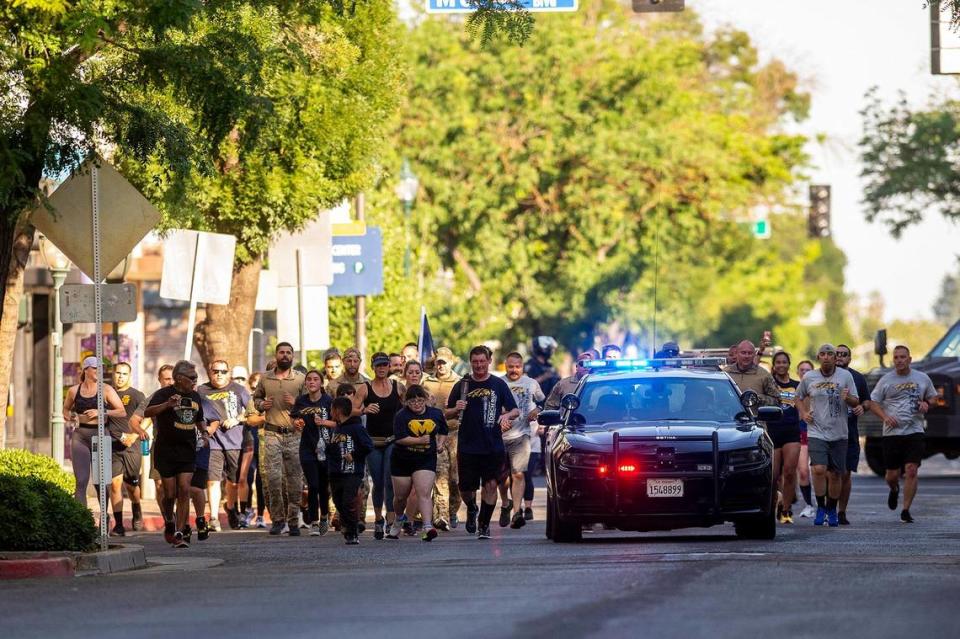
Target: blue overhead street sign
(466, 6)
(357, 264)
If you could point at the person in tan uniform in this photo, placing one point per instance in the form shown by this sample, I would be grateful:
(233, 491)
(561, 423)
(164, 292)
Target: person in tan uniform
(569, 384)
(446, 494)
(748, 376)
(280, 441)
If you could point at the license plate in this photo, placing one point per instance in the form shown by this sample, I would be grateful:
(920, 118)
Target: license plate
(664, 488)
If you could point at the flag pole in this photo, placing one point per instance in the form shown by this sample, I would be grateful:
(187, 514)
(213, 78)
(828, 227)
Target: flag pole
(423, 314)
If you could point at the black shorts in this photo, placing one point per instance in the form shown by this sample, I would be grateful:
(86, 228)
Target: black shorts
(225, 464)
(249, 438)
(171, 465)
(128, 463)
(477, 469)
(200, 479)
(405, 465)
(899, 450)
(784, 434)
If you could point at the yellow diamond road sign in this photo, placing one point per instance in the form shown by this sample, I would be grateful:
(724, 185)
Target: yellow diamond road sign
(125, 217)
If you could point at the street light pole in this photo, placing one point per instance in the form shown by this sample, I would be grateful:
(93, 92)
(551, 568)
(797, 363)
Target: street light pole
(59, 266)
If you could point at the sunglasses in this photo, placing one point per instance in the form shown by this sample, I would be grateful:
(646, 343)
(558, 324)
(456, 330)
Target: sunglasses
(219, 371)
(842, 354)
(192, 378)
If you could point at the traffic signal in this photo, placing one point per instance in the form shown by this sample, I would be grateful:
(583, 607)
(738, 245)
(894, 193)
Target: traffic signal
(818, 219)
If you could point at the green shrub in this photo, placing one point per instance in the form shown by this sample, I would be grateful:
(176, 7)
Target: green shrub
(23, 463)
(38, 515)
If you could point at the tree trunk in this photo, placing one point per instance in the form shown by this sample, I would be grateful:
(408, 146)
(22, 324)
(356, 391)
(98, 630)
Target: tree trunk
(225, 331)
(15, 243)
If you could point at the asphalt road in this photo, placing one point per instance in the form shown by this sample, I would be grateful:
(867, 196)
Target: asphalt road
(876, 578)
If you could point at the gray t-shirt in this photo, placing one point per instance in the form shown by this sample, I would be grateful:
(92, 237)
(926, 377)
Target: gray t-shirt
(526, 391)
(829, 421)
(900, 397)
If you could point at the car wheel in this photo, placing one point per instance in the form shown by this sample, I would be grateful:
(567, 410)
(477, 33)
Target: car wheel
(565, 532)
(549, 527)
(874, 455)
(759, 526)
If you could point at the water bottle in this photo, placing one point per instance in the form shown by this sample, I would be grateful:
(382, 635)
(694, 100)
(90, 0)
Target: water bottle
(145, 447)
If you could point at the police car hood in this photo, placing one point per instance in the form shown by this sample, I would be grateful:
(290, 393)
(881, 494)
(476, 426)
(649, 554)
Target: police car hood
(729, 434)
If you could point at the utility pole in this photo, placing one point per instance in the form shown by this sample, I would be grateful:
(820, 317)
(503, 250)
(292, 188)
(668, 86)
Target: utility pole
(361, 300)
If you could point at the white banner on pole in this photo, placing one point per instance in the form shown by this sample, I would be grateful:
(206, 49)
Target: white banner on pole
(212, 253)
(267, 296)
(316, 318)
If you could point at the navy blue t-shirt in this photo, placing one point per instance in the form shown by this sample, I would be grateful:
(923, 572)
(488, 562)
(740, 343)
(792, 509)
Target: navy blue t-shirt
(202, 460)
(310, 438)
(479, 432)
(349, 437)
(788, 403)
(410, 424)
(230, 403)
(864, 394)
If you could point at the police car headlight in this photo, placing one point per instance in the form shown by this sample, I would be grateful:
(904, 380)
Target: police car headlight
(746, 458)
(581, 460)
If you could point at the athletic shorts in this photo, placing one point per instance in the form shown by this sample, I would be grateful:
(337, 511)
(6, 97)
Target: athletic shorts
(225, 464)
(853, 454)
(249, 438)
(782, 434)
(477, 469)
(128, 463)
(172, 467)
(899, 450)
(517, 453)
(405, 465)
(200, 479)
(832, 454)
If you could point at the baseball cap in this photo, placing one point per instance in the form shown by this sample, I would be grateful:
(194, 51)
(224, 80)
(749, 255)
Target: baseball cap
(826, 348)
(381, 360)
(89, 362)
(239, 372)
(444, 354)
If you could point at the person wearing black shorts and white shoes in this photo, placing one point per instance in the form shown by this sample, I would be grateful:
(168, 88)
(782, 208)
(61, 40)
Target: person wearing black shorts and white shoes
(201, 474)
(901, 399)
(419, 432)
(785, 435)
(486, 408)
(177, 413)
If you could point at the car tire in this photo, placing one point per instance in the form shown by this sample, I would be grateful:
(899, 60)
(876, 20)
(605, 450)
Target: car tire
(565, 532)
(762, 526)
(874, 455)
(549, 526)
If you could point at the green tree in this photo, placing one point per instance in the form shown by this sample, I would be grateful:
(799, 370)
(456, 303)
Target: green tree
(547, 170)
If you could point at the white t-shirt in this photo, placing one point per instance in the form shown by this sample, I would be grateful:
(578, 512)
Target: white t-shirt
(526, 391)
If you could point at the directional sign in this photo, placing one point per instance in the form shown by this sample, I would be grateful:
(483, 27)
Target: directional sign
(78, 304)
(358, 264)
(760, 229)
(534, 6)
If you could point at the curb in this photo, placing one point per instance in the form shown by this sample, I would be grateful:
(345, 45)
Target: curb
(30, 565)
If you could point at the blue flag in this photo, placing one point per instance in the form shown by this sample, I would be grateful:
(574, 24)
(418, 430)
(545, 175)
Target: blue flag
(425, 344)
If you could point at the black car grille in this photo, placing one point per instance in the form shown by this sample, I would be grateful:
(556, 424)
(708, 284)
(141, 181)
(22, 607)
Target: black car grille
(667, 459)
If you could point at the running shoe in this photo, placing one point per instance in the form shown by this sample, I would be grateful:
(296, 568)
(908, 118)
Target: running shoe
(244, 522)
(483, 532)
(808, 511)
(187, 533)
(315, 529)
(417, 526)
(788, 517)
(892, 498)
(300, 522)
(352, 540)
(518, 521)
(832, 519)
(505, 514)
(407, 528)
(202, 531)
(260, 523)
(905, 517)
(168, 532)
(233, 518)
(781, 516)
(137, 517)
(361, 526)
(179, 541)
(118, 530)
(429, 534)
(378, 529)
(324, 525)
(842, 516)
(277, 528)
(528, 514)
(441, 524)
(294, 531)
(395, 530)
(821, 516)
(471, 525)
(454, 521)
(213, 525)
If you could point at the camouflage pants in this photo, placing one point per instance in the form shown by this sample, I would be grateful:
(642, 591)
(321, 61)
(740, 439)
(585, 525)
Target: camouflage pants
(446, 491)
(282, 475)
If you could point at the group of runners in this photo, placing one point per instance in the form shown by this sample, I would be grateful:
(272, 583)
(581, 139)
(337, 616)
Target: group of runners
(420, 445)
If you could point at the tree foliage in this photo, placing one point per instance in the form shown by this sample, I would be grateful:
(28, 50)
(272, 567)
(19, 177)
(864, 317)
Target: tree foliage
(551, 172)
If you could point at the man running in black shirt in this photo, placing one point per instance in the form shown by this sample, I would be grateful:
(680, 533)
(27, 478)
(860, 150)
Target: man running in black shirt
(486, 408)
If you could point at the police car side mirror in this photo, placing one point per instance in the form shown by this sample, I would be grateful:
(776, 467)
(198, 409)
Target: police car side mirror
(769, 414)
(549, 418)
(570, 402)
(749, 399)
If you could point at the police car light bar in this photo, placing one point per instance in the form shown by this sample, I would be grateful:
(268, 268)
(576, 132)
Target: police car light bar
(655, 363)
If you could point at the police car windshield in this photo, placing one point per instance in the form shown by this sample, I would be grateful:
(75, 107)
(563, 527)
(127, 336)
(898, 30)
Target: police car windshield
(949, 344)
(658, 398)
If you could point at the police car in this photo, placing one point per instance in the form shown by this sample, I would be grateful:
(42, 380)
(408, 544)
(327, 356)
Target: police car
(659, 444)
